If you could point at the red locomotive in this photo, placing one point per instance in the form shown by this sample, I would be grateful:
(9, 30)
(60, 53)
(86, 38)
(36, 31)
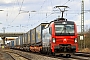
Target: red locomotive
(60, 37)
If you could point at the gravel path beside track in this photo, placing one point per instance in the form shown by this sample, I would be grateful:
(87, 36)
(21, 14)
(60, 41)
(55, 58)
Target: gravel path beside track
(5, 56)
(17, 57)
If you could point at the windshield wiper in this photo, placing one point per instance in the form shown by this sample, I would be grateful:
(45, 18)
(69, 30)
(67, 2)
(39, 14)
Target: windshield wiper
(68, 32)
(62, 30)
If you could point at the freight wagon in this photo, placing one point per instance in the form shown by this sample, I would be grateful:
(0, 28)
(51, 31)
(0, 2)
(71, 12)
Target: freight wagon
(36, 37)
(26, 39)
(21, 42)
(26, 42)
(17, 43)
(27, 47)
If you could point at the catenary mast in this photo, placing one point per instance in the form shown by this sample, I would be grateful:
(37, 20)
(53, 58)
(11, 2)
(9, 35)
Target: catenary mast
(82, 22)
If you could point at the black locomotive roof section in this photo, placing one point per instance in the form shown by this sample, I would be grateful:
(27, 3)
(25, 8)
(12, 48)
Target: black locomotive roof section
(67, 22)
(60, 20)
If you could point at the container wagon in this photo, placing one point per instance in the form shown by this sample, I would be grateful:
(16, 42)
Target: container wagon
(26, 43)
(21, 42)
(17, 43)
(27, 48)
(36, 38)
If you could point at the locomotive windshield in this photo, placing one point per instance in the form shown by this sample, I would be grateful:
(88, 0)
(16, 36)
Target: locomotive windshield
(64, 29)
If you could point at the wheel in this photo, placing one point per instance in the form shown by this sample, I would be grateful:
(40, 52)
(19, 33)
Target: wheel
(41, 51)
(49, 51)
(61, 55)
(53, 53)
(68, 55)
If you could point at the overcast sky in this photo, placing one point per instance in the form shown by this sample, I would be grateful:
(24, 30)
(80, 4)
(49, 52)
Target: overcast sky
(17, 15)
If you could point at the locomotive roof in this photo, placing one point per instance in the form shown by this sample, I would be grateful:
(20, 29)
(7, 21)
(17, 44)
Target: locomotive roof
(60, 20)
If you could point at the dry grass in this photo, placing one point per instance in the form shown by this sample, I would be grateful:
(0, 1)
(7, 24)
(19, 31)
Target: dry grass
(85, 50)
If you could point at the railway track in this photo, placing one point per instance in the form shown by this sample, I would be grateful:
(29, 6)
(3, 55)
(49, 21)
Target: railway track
(5, 56)
(82, 54)
(17, 55)
(73, 57)
(35, 56)
(11, 56)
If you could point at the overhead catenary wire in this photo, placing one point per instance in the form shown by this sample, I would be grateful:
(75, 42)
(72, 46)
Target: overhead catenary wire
(21, 6)
(18, 12)
(8, 15)
(65, 2)
(42, 5)
(52, 13)
(39, 9)
(36, 11)
(46, 12)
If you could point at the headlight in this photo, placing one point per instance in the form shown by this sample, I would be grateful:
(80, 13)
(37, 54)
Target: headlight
(75, 40)
(54, 40)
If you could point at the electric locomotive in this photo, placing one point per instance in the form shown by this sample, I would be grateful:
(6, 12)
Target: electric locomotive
(60, 37)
